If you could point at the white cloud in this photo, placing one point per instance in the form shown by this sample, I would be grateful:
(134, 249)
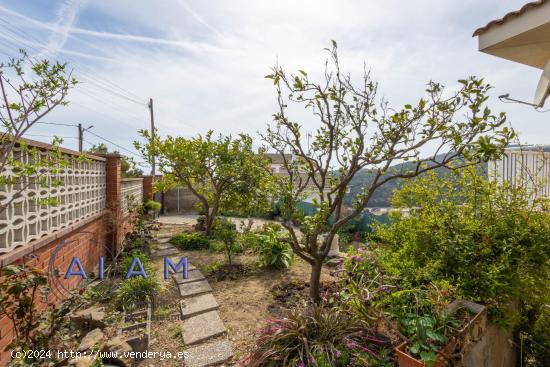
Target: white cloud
(67, 15)
(203, 62)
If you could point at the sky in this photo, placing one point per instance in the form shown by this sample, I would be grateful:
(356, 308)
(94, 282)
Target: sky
(203, 62)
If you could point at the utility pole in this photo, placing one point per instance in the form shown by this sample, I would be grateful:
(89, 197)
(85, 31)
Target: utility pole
(80, 137)
(153, 173)
(152, 135)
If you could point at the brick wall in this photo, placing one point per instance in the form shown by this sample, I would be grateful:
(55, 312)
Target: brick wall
(88, 242)
(148, 187)
(90, 238)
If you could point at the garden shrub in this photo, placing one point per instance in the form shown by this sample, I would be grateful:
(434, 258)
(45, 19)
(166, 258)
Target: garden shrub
(226, 231)
(134, 292)
(201, 223)
(128, 259)
(490, 242)
(314, 335)
(190, 241)
(348, 231)
(239, 246)
(22, 292)
(101, 292)
(271, 251)
(152, 206)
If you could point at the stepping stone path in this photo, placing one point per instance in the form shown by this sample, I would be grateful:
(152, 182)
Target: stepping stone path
(194, 289)
(202, 326)
(170, 251)
(197, 305)
(209, 354)
(192, 276)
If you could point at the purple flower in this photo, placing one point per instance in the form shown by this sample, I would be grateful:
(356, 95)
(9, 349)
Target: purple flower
(350, 344)
(356, 258)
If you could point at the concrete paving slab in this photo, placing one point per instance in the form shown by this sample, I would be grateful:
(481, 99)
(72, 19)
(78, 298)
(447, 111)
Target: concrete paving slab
(194, 289)
(192, 276)
(166, 252)
(196, 305)
(202, 327)
(209, 354)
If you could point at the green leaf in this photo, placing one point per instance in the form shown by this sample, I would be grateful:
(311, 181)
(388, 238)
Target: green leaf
(428, 357)
(435, 336)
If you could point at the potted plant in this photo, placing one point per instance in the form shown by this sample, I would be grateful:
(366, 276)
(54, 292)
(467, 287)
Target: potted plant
(436, 341)
(152, 207)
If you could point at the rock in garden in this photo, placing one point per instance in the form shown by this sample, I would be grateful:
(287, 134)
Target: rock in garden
(89, 318)
(92, 340)
(81, 362)
(119, 345)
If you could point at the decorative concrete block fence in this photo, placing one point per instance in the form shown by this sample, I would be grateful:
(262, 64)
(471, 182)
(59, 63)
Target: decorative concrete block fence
(90, 194)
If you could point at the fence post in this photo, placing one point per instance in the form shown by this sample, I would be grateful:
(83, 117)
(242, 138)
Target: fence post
(113, 181)
(148, 187)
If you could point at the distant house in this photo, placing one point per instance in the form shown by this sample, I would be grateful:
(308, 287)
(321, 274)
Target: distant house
(278, 168)
(277, 162)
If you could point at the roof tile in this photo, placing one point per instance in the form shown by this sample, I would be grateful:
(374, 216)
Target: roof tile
(511, 14)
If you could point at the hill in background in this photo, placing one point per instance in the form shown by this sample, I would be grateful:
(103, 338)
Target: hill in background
(383, 195)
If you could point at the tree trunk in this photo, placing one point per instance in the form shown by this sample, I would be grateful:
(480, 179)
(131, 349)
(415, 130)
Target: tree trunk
(315, 280)
(208, 224)
(230, 255)
(211, 214)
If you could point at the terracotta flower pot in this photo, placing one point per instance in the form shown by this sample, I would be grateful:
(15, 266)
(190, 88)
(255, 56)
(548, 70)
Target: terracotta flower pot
(458, 345)
(404, 359)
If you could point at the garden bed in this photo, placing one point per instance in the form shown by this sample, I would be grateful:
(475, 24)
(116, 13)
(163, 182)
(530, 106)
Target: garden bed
(473, 323)
(246, 302)
(137, 333)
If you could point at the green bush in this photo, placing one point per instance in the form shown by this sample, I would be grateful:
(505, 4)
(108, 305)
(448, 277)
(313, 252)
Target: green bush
(490, 242)
(201, 223)
(136, 291)
(101, 292)
(128, 259)
(190, 241)
(486, 240)
(271, 251)
(226, 231)
(239, 246)
(152, 205)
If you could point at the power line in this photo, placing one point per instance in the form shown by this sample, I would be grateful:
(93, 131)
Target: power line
(18, 32)
(96, 135)
(56, 123)
(112, 104)
(93, 80)
(115, 144)
(51, 136)
(98, 79)
(139, 163)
